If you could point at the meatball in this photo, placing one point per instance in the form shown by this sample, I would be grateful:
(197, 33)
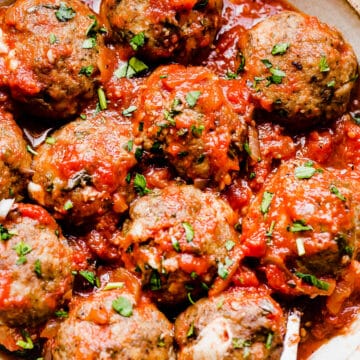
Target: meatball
(114, 324)
(35, 266)
(238, 324)
(161, 30)
(179, 238)
(302, 227)
(81, 170)
(51, 55)
(299, 68)
(185, 114)
(15, 161)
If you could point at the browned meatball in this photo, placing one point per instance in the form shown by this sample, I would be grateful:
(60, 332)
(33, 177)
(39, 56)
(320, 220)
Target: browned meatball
(179, 238)
(300, 68)
(35, 266)
(164, 29)
(302, 226)
(114, 324)
(51, 55)
(238, 324)
(81, 170)
(185, 113)
(14, 159)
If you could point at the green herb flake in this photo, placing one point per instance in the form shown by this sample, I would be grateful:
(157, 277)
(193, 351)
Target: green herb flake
(241, 66)
(22, 249)
(197, 130)
(331, 84)
(113, 286)
(27, 343)
(313, 280)
(280, 49)
(229, 245)
(298, 226)
(140, 185)
(189, 231)
(175, 245)
(266, 202)
(269, 340)
(277, 76)
(267, 63)
(37, 267)
(323, 65)
(102, 98)
(137, 66)
(192, 98)
(129, 111)
(137, 41)
(238, 343)
(50, 140)
(223, 269)
(5, 234)
(191, 301)
(30, 150)
(52, 39)
(123, 306)
(68, 205)
(270, 231)
(334, 190)
(64, 13)
(304, 172)
(129, 145)
(91, 30)
(90, 277)
(155, 281)
(61, 314)
(161, 341)
(230, 75)
(191, 331)
(82, 116)
(121, 71)
(86, 70)
(89, 43)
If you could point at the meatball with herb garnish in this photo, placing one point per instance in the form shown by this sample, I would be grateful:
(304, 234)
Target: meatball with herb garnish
(237, 324)
(299, 68)
(15, 161)
(179, 239)
(80, 171)
(35, 266)
(185, 114)
(114, 323)
(51, 55)
(161, 30)
(302, 227)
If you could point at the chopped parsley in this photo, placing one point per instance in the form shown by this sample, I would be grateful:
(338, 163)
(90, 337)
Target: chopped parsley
(334, 190)
(192, 302)
(90, 277)
(89, 43)
(197, 130)
(64, 13)
(191, 331)
(269, 340)
(331, 84)
(276, 76)
(22, 249)
(192, 98)
(189, 231)
(266, 202)
(30, 150)
(61, 313)
(298, 226)
(52, 39)
(229, 245)
(267, 63)
(223, 269)
(37, 267)
(323, 65)
(102, 98)
(155, 281)
(129, 111)
(131, 68)
(356, 117)
(113, 285)
(50, 140)
(5, 234)
(91, 30)
(27, 343)
(86, 70)
(123, 306)
(313, 280)
(68, 205)
(280, 49)
(137, 41)
(269, 233)
(140, 185)
(175, 245)
(305, 171)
